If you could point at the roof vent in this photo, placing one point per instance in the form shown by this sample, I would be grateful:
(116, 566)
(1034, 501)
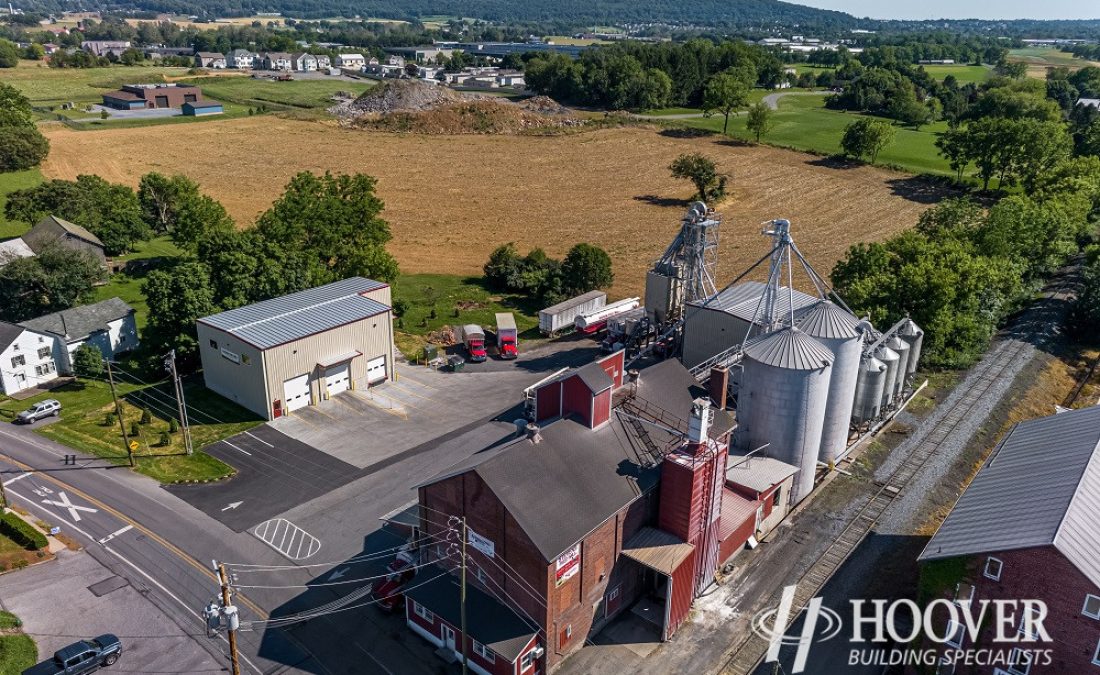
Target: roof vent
(533, 432)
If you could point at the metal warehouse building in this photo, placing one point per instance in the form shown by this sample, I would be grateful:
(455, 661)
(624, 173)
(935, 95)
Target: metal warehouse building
(280, 355)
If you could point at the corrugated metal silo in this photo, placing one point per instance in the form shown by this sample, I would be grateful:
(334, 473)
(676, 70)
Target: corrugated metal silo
(870, 386)
(902, 348)
(914, 336)
(838, 331)
(786, 388)
(889, 358)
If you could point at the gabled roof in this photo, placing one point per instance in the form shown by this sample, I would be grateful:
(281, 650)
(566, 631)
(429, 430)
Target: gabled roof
(12, 249)
(9, 333)
(1039, 487)
(73, 229)
(595, 377)
(743, 299)
(487, 620)
(210, 55)
(658, 550)
(292, 317)
(80, 322)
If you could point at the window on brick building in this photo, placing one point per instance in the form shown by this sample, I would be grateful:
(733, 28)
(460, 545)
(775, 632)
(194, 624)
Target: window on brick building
(775, 497)
(964, 593)
(993, 568)
(528, 660)
(484, 652)
(1019, 661)
(1030, 618)
(945, 666)
(955, 633)
(1096, 655)
(1092, 607)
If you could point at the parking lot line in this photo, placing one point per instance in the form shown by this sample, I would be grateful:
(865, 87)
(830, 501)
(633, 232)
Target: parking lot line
(300, 544)
(237, 448)
(410, 391)
(257, 438)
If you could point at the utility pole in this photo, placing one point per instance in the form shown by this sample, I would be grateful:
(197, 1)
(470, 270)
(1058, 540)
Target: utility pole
(3, 496)
(230, 613)
(170, 364)
(462, 599)
(118, 412)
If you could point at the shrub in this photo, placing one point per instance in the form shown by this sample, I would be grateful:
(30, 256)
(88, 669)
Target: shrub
(165, 439)
(173, 425)
(109, 420)
(22, 532)
(146, 416)
(134, 429)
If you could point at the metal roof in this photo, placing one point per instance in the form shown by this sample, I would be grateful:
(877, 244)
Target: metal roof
(758, 472)
(12, 249)
(743, 299)
(790, 348)
(298, 315)
(80, 322)
(487, 620)
(826, 320)
(735, 511)
(658, 550)
(573, 302)
(1039, 487)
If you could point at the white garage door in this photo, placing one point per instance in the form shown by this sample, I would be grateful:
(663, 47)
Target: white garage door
(376, 370)
(296, 392)
(337, 378)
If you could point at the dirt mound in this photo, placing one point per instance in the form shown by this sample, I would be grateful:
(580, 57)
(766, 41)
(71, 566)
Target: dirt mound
(399, 96)
(489, 116)
(544, 105)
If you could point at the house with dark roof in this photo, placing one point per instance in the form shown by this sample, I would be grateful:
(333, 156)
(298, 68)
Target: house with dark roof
(607, 501)
(1028, 527)
(54, 231)
(142, 96)
(28, 358)
(13, 249)
(108, 325)
(279, 355)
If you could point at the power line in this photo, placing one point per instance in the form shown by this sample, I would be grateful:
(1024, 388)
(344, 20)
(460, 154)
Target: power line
(336, 583)
(538, 629)
(250, 568)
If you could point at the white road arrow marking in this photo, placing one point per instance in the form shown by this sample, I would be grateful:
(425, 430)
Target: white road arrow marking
(336, 574)
(72, 508)
(115, 534)
(19, 477)
(232, 505)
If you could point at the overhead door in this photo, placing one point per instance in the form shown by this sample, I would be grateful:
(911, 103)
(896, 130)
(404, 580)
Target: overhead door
(296, 392)
(376, 370)
(337, 378)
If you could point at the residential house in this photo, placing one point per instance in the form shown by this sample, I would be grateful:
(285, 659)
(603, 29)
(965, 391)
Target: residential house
(511, 78)
(277, 61)
(161, 52)
(323, 61)
(105, 47)
(428, 72)
(13, 249)
(28, 358)
(142, 96)
(54, 231)
(303, 62)
(1026, 528)
(422, 54)
(610, 497)
(241, 59)
(350, 61)
(108, 325)
(213, 60)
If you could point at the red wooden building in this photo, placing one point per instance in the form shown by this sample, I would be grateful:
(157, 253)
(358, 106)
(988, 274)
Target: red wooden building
(610, 501)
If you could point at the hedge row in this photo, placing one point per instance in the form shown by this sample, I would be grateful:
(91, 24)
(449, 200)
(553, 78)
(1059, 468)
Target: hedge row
(21, 532)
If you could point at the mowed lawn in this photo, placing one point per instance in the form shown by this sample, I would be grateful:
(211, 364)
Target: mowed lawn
(803, 123)
(46, 86)
(248, 91)
(963, 73)
(10, 182)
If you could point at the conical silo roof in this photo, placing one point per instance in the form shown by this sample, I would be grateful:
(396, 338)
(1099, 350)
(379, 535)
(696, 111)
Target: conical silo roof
(910, 329)
(826, 320)
(790, 348)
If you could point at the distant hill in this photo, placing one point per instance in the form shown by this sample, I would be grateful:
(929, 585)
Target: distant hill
(579, 12)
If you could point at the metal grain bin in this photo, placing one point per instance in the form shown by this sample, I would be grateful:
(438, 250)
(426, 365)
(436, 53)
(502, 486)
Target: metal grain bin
(889, 358)
(870, 386)
(784, 392)
(559, 317)
(902, 348)
(914, 336)
(838, 331)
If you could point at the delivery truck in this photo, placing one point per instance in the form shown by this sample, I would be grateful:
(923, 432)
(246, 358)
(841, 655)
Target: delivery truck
(474, 340)
(507, 336)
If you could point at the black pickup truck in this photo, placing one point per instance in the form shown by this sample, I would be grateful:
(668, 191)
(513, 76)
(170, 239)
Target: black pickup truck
(86, 656)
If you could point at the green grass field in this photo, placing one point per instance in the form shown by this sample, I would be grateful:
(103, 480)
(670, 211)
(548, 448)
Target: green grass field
(10, 182)
(46, 86)
(252, 92)
(803, 123)
(963, 73)
(446, 294)
(1045, 56)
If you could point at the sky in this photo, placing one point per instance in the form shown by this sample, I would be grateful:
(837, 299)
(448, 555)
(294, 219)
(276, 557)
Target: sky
(963, 9)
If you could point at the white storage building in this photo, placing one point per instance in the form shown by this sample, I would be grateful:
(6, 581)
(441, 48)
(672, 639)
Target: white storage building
(280, 355)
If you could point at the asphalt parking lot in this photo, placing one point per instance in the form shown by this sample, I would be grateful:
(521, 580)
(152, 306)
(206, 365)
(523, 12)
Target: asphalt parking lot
(74, 598)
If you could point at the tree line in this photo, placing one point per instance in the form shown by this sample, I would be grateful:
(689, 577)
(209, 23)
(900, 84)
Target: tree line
(22, 146)
(585, 267)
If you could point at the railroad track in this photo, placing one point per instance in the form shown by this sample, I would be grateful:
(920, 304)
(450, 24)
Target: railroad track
(749, 653)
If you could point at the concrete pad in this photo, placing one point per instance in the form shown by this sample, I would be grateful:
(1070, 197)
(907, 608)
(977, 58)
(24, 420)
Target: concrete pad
(634, 634)
(58, 608)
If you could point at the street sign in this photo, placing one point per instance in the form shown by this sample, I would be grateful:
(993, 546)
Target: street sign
(134, 445)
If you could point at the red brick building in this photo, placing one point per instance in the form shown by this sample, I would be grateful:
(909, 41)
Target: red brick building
(1028, 528)
(143, 96)
(609, 501)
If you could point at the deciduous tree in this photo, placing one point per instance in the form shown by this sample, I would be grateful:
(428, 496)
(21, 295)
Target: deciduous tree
(866, 138)
(88, 361)
(703, 174)
(728, 91)
(586, 268)
(760, 120)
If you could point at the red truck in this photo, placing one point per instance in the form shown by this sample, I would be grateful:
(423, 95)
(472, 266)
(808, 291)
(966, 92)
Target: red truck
(474, 339)
(507, 336)
(389, 593)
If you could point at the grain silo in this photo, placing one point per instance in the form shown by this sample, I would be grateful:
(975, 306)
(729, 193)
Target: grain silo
(889, 358)
(785, 388)
(914, 336)
(838, 331)
(901, 347)
(870, 386)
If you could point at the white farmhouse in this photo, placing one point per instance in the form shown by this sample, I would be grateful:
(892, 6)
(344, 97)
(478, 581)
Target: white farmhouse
(353, 61)
(28, 358)
(108, 325)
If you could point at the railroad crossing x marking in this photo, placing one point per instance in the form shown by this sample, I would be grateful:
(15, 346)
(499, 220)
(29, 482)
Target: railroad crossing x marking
(72, 508)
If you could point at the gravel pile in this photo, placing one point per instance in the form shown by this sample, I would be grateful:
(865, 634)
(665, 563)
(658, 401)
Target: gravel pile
(400, 96)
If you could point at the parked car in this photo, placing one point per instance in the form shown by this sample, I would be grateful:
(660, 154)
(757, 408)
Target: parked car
(48, 408)
(81, 657)
(389, 593)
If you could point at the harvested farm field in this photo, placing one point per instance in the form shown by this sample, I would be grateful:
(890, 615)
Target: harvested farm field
(452, 199)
